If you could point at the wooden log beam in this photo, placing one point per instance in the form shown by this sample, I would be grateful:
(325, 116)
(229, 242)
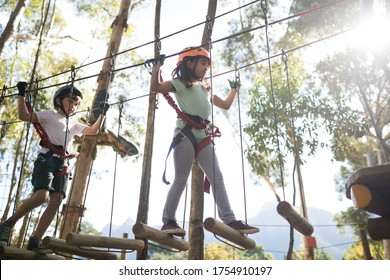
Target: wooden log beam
(12, 253)
(297, 221)
(379, 228)
(104, 241)
(375, 177)
(143, 231)
(369, 199)
(229, 233)
(59, 245)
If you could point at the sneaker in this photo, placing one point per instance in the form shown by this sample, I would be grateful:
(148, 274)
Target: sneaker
(5, 232)
(171, 227)
(35, 244)
(243, 227)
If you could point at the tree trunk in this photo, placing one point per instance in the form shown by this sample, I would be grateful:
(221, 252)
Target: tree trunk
(74, 208)
(41, 30)
(143, 205)
(10, 24)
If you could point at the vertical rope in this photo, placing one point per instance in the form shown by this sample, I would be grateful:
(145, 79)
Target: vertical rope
(115, 166)
(28, 99)
(238, 83)
(292, 119)
(210, 45)
(264, 7)
(108, 81)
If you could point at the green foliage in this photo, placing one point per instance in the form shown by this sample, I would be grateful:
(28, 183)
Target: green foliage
(212, 251)
(159, 253)
(87, 228)
(290, 113)
(321, 22)
(319, 254)
(355, 252)
(257, 253)
(356, 218)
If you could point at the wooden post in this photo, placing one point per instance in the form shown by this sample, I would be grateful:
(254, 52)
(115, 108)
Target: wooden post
(379, 228)
(365, 244)
(196, 232)
(228, 233)
(143, 204)
(59, 245)
(123, 253)
(71, 221)
(160, 237)
(104, 241)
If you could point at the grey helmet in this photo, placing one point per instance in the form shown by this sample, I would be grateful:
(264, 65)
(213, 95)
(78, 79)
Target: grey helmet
(64, 91)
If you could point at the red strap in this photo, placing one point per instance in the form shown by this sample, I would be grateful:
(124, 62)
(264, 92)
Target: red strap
(203, 125)
(44, 137)
(64, 171)
(180, 114)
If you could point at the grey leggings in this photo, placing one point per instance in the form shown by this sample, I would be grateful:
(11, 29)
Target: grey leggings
(183, 156)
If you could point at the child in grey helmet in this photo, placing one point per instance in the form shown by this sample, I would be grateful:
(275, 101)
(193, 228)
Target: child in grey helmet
(50, 173)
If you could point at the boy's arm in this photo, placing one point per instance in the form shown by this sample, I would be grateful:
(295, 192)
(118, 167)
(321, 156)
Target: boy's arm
(23, 113)
(94, 129)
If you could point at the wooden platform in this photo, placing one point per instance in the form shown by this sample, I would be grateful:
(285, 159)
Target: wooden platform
(141, 230)
(12, 253)
(226, 232)
(108, 138)
(287, 211)
(104, 242)
(369, 189)
(379, 228)
(59, 245)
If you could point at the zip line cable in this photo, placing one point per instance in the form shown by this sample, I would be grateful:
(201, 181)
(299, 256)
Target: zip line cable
(299, 14)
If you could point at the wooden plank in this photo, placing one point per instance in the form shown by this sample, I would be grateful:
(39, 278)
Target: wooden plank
(375, 177)
(379, 228)
(12, 253)
(104, 241)
(297, 221)
(59, 245)
(143, 231)
(229, 233)
(370, 199)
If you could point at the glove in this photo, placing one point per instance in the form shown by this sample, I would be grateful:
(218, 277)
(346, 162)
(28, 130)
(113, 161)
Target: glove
(161, 59)
(153, 61)
(22, 86)
(104, 107)
(234, 84)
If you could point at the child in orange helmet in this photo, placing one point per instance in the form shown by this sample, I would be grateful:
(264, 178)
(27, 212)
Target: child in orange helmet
(192, 96)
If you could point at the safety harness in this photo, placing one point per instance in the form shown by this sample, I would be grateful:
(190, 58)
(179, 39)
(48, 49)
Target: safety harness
(46, 143)
(191, 121)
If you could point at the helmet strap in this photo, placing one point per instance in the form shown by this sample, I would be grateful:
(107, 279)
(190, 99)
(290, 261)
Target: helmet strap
(62, 108)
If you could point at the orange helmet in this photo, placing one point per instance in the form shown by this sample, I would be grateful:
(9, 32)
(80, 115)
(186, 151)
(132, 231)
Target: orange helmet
(192, 52)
